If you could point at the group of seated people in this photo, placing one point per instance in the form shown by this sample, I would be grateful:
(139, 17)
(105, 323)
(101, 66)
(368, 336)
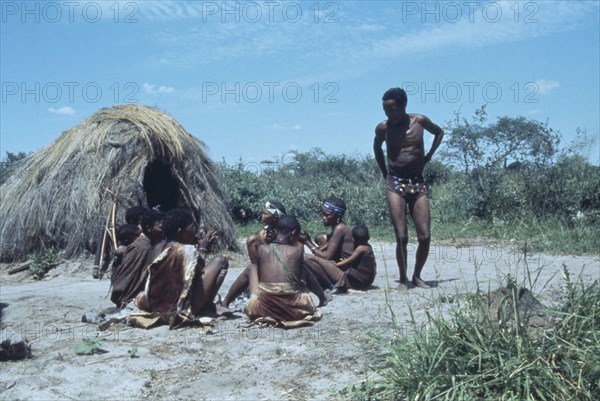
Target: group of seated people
(161, 266)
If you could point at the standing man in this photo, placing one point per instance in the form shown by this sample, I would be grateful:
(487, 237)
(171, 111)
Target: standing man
(406, 159)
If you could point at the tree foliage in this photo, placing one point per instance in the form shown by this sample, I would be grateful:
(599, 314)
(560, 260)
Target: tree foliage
(507, 172)
(509, 141)
(9, 164)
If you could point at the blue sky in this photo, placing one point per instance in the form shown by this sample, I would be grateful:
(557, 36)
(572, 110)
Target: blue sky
(255, 80)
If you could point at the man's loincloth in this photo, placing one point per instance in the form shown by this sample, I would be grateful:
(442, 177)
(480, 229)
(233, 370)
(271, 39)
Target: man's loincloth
(410, 189)
(282, 304)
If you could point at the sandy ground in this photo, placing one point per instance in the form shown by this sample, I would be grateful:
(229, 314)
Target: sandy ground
(236, 362)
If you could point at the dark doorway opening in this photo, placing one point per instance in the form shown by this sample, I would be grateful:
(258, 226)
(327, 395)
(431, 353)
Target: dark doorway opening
(161, 189)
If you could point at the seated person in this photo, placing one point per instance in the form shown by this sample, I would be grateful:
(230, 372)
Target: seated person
(135, 215)
(126, 234)
(179, 281)
(355, 272)
(278, 280)
(339, 243)
(129, 275)
(272, 212)
(360, 268)
(269, 217)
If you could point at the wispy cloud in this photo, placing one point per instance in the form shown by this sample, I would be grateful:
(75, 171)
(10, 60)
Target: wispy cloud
(545, 87)
(371, 28)
(63, 111)
(216, 32)
(279, 127)
(150, 88)
(483, 28)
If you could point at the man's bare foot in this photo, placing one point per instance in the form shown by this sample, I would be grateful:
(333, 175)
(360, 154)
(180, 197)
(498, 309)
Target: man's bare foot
(340, 290)
(222, 310)
(420, 283)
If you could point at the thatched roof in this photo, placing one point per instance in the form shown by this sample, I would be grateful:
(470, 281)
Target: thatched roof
(57, 196)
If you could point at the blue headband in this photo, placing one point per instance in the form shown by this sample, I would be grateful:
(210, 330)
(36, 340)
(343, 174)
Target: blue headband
(328, 207)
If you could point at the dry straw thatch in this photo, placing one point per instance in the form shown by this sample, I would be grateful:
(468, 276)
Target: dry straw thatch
(57, 196)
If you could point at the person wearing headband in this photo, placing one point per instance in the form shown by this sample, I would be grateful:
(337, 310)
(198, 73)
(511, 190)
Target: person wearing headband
(339, 246)
(269, 216)
(280, 284)
(276, 209)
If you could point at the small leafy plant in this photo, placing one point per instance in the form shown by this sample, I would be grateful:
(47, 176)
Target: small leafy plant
(133, 352)
(90, 347)
(42, 262)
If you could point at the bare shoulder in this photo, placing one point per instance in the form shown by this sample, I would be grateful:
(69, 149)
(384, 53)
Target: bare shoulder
(381, 128)
(362, 249)
(420, 118)
(426, 123)
(341, 229)
(298, 246)
(263, 249)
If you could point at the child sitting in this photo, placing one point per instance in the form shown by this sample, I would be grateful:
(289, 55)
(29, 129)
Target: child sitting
(360, 268)
(357, 271)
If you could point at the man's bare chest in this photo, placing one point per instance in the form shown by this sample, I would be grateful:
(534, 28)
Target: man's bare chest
(399, 137)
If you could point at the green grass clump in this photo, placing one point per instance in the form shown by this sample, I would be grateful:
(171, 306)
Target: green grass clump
(465, 357)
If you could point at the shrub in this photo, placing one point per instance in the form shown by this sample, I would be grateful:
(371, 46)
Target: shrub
(465, 358)
(42, 262)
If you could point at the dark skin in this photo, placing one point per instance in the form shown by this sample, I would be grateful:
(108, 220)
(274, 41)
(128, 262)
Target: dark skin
(331, 272)
(360, 247)
(321, 241)
(269, 270)
(211, 279)
(406, 158)
(263, 237)
(341, 236)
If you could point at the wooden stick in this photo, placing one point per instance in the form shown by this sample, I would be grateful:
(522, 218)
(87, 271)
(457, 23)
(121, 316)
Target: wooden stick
(113, 222)
(25, 266)
(19, 268)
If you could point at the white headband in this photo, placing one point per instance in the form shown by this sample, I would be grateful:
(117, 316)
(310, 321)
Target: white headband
(274, 210)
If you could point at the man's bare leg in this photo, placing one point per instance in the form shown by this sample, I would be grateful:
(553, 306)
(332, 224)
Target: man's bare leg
(421, 219)
(237, 288)
(211, 280)
(397, 207)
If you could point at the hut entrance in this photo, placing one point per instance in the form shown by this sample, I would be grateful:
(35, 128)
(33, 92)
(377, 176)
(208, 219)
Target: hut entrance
(160, 187)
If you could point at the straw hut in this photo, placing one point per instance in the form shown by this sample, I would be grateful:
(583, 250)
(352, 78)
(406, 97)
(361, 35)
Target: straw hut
(57, 197)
